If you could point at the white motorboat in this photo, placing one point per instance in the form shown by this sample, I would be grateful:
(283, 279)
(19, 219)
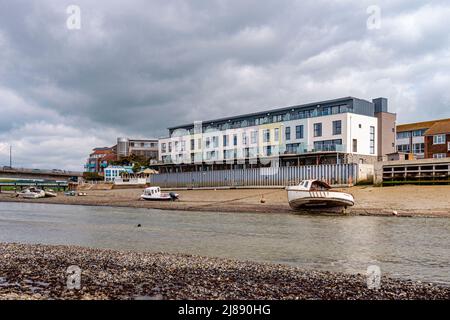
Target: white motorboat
(50, 193)
(154, 193)
(316, 193)
(32, 193)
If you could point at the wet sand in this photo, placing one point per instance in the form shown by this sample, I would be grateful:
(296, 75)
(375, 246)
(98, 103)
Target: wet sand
(40, 272)
(432, 201)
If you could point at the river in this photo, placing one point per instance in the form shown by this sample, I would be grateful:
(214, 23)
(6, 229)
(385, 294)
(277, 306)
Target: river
(407, 248)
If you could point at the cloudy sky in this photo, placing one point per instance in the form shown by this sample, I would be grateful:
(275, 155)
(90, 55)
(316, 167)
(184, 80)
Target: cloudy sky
(137, 67)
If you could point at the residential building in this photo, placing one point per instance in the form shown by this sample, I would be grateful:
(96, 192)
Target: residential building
(345, 130)
(411, 137)
(99, 159)
(147, 148)
(437, 140)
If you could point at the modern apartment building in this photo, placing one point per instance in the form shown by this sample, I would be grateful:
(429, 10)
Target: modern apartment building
(412, 138)
(147, 148)
(345, 130)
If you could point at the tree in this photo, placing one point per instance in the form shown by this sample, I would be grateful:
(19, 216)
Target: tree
(92, 176)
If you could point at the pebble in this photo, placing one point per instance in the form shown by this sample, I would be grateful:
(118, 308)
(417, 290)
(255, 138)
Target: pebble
(39, 272)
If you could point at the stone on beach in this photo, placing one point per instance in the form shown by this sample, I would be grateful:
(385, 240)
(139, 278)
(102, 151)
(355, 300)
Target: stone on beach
(39, 272)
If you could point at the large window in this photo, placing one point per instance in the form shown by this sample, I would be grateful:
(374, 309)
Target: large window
(276, 134)
(244, 138)
(439, 139)
(287, 133)
(225, 140)
(235, 139)
(254, 136)
(372, 140)
(328, 145)
(192, 144)
(317, 129)
(215, 140)
(337, 127)
(163, 147)
(266, 135)
(439, 155)
(299, 132)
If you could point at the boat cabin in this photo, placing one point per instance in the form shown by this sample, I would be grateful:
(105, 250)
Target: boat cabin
(314, 185)
(152, 190)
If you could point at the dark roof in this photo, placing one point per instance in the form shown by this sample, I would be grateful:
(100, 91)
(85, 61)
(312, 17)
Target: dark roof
(312, 104)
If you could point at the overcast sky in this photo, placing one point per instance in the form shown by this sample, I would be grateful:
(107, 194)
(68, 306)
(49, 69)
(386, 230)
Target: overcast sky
(136, 67)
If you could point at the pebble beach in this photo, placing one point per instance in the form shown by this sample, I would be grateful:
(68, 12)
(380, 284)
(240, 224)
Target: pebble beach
(40, 272)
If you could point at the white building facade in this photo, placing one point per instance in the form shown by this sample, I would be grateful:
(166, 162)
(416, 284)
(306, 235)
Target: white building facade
(326, 130)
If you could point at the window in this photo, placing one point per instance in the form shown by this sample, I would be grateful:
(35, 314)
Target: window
(199, 143)
(266, 135)
(403, 148)
(244, 138)
(235, 139)
(192, 144)
(225, 140)
(418, 148)
(170, 146)
(439, 155)
(328, 145)
(183, 145)
(299, 132)
(208, 142)
(268, 150)
(287, 133)
(372, 140)
(448, 146)
(403, 135)
(277, 134)
(254, 136)
(439, 139)
(317, 129)
(337, 127)
(163, 147)
(355, 145)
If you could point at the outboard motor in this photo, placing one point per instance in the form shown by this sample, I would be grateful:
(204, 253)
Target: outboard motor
(173, 196)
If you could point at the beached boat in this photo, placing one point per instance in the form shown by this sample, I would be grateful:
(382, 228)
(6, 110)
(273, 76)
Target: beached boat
(154, 193)
(32, 193)
(316, 193)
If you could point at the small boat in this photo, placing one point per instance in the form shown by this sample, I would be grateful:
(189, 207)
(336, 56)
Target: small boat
(32, 193)
(316, 193)
(154, 193)
(50, 193)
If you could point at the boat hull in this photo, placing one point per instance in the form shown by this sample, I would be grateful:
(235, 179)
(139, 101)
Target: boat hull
(149, 198)
(315, 199)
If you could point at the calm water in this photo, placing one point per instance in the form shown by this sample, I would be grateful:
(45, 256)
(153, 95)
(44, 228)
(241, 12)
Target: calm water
(415, 248)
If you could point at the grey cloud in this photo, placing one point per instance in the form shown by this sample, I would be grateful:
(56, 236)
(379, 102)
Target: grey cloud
(138, 68)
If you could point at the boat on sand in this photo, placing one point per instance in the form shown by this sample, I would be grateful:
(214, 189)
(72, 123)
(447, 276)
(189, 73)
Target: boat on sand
(154, 193)
(315, 194)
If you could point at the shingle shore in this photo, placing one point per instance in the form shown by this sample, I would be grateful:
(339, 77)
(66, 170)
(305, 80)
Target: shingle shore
(39, 272)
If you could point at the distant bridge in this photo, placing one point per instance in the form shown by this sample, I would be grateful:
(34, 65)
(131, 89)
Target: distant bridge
(23, 173)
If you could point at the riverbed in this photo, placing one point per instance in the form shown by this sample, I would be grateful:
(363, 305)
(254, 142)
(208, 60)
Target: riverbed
(405, 248)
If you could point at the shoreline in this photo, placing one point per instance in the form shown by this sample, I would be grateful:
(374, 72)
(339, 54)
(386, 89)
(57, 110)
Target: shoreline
(405, 201)
(40, 272)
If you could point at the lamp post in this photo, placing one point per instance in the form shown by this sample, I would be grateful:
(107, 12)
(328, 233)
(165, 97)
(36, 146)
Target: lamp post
(10, 156)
